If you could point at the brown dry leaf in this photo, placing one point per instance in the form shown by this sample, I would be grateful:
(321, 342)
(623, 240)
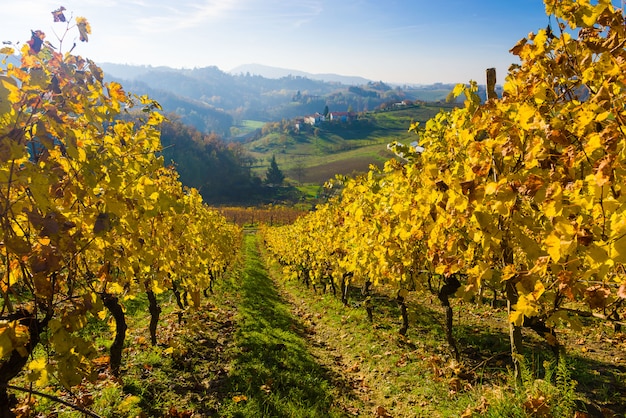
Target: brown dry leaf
(175, 413)
(596, 296)
(482, 408)
(401, 361)
(25, 409)
(101, 361)
(455, 385)
(382, 412)
(537, 406)
(354, 368)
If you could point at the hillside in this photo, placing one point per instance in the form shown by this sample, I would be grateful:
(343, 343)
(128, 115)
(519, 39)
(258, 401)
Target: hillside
(262, 114)
(312, 155)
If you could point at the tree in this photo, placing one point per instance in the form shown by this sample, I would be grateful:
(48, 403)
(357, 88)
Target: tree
(326, 111)
(274, 175)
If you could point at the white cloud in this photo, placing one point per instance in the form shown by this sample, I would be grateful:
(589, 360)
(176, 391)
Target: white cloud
(185, 15)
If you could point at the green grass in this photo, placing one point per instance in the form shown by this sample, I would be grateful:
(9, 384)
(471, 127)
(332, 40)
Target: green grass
(272, 367)
(404, 376)
(246, 127)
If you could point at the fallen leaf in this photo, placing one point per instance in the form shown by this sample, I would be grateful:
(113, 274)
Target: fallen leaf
(537, 406)
(382, 412)
(239, 398)
(353, 369)
(468, 413)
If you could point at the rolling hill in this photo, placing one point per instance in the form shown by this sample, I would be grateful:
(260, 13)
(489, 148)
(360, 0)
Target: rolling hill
(312, 155)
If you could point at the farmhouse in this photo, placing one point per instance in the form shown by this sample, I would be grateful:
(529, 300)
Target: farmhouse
(315, 119)
(341, 116)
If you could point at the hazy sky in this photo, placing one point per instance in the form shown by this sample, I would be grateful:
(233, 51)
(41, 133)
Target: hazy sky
(408, 41)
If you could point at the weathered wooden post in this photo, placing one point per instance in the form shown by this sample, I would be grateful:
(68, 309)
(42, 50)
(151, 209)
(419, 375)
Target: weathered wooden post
(491, 84)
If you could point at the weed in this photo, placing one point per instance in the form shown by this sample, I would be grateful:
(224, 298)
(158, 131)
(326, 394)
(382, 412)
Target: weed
(553, 396)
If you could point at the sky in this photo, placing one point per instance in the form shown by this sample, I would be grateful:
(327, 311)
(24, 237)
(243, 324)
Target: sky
(395, 41)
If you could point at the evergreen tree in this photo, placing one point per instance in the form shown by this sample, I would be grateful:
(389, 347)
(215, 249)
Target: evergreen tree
(274, 174)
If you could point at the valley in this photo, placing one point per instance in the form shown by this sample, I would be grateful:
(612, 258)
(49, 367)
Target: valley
(314, 154)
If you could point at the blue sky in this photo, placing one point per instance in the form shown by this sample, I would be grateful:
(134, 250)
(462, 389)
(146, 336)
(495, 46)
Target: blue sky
(396, 41)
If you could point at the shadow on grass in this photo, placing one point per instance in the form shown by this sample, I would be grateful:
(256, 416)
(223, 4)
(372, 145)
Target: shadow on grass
(484, 346)
(272, 373)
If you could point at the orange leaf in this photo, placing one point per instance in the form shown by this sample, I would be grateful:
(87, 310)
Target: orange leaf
(116, 91)
(239, 398)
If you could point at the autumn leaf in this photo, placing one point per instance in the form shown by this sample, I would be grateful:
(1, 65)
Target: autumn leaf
(382, 412)
(58, 15)
(596, 296)
(36, 41)
(84, 28)
(604, 170)
(517, 49)
(553, 245)
(37, 371)
(102, 223)
(537, 405)
(116, 91)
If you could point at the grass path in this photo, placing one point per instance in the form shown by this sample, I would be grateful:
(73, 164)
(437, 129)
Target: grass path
(272, 373)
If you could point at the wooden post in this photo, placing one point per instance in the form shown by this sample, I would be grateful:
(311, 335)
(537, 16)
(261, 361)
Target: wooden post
(491, 84)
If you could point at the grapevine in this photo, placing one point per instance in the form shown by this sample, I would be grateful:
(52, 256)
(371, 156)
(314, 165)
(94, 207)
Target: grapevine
(89, 215)
(522, 194)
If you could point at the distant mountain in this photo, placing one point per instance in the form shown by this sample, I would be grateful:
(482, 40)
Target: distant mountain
(214, 101)
(129, 72)
(277, 72)
(207, 97)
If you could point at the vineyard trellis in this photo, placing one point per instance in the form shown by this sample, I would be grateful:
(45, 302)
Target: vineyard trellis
(89, 215)
(523, 193)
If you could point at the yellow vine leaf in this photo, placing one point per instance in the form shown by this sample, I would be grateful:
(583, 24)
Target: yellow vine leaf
(6, 344)
(115, 288)
(618, 250)
(38, 371)
(553, 246)
(84, 28)
(508, 272)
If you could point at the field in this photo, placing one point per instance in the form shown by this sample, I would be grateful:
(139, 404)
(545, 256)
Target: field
(317, 154)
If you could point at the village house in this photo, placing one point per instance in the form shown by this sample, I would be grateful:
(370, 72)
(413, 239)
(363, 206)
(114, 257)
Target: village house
(298, 123)
(340, 116)
(315, 119)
